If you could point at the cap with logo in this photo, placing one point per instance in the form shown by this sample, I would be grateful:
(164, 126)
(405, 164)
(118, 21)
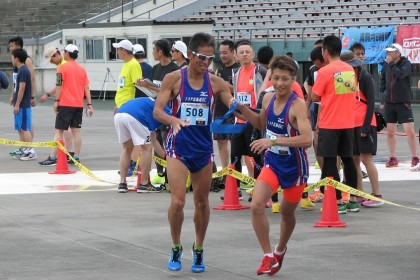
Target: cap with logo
(394, 47)
(125, 44)
(180, 46)
(71, 48)
(138, 49)
(48, 54)
(348, 57)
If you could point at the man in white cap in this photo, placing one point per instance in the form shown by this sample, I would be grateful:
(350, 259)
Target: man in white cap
(130, 73)
(72, 87)
(146, 68)
(53, 55)
(179, 54)
(397, 96)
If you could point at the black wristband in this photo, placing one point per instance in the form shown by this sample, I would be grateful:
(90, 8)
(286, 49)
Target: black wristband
(56, 100)
(32, 97)
(89, 104)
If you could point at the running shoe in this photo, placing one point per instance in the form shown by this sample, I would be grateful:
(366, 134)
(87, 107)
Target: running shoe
(345, 196)
(280, 257)
(414, 161)
(318, 196)
(28, 156)
(148, 188)
(175, 263)
(275, 207)
(122, 188)
(415, 168)
(307, 204)
(17, 152)
(197, 265)
(353, 206)
(48, 162)
(158, 179)
(342, 208)
(373, 203)
(364, 175)
(393, 162)
(269, 265)
(317, 165)
(245, 186)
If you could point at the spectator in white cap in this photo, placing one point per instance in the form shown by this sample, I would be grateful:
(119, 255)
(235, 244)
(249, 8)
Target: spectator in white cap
(146, 68)
(53, 55)
(179, 54)
(397, 96)
(130, 73)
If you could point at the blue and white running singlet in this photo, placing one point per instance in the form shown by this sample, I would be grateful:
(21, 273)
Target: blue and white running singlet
(195, 107)
(290, 164)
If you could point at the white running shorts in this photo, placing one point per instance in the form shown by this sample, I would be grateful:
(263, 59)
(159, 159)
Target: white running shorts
(129, 128)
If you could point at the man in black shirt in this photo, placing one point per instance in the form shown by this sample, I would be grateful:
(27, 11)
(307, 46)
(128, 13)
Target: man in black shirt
(227, 55)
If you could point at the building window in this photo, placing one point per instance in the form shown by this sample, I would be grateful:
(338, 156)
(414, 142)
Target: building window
(94, 49)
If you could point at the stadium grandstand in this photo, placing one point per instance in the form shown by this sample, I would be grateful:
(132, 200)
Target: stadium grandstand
(93, 25)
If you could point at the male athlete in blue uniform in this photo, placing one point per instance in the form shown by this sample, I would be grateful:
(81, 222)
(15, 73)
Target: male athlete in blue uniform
(285, 118)
(192, 91)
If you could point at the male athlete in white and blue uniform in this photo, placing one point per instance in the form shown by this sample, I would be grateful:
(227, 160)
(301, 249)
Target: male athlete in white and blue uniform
(288, 134)
(189, 143)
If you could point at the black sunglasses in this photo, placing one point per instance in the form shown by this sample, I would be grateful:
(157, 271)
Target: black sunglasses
(203, 57)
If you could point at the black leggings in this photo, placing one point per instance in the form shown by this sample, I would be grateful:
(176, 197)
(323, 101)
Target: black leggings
(329, 169)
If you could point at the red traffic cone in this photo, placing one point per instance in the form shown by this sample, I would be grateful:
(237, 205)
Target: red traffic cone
(62, 166)
(138, 180)
(329, 216)
(231, 197)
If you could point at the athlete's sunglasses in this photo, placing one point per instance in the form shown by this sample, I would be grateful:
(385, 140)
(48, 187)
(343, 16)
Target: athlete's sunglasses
(203, 57)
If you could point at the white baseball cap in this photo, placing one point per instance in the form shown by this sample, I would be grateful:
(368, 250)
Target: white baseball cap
(180, 46)
(138, 49)
(394, 47)
(49, 53)
(71, 48)
(125, 44)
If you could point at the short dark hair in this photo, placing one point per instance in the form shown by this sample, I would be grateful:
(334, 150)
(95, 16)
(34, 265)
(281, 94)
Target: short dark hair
(201, 39)
(319, 42)
(164, 46)
(316, 54)
(17, 40)
(358, 46)
(289, 54)
(332, 44)
(283, 62)
(243, 42)
(229, 43)
(265, 54)
(21, 54)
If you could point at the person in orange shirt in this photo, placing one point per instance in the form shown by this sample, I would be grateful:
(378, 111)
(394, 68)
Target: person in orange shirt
(72, 87)
(335, 87)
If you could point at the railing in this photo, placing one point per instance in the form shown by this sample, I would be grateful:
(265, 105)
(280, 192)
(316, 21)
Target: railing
(156, 8)
(107, 7)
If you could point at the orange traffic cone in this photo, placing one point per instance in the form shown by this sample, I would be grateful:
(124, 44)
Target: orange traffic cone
(62, 166)
(231, 197)
(138, 180)
(329, 216)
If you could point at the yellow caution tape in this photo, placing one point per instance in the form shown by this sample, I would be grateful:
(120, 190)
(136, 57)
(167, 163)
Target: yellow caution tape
(225, 171)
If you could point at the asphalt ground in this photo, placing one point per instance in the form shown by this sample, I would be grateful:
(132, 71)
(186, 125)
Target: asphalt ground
(73, 227)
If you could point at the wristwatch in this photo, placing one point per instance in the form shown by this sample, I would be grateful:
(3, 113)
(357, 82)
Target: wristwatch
(273, 140)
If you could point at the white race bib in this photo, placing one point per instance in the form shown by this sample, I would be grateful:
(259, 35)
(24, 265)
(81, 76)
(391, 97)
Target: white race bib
(195, 113)
(244, 98)
(121, 81)
(281, 150)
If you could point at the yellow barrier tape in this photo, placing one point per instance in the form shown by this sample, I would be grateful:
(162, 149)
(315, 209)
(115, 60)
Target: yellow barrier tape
(356, 192)
(9, 142)
(225, 171)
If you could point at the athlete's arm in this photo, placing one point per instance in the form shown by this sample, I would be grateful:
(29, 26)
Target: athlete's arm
(19, 97)
(29, 63)
(299, 119)
(170, 86)
(221, 87)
